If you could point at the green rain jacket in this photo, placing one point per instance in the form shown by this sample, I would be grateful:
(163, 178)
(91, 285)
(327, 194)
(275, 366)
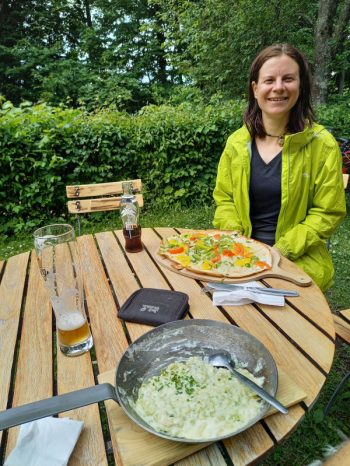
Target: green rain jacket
(312, 198)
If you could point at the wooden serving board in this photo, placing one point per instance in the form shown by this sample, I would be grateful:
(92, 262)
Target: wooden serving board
(137, 447)
(301, 278)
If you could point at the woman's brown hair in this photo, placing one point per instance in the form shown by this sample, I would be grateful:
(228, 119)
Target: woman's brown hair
(301, 113)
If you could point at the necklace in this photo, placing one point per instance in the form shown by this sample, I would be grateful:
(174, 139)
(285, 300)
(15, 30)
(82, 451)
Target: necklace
(280, 139)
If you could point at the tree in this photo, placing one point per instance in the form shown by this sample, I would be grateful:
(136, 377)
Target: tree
(129, 53)
(93, 52)
(331, 42)
(216, 40)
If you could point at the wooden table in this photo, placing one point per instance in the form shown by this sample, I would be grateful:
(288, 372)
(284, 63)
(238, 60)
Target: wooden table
(300, 337)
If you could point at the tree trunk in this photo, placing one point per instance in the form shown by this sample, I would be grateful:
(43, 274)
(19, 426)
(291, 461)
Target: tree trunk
(341, 82)
(161, 72)
(88, 13)
(322, 57)
(2, 10)
(340, 29)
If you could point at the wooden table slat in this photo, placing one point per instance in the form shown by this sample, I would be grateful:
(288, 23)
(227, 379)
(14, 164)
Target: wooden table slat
(286, 355)
(2, 265)
(249, 445)
(74, 373)
(281, 425)
(209, 456)
(144, 268)
(11, 290)
(109, 338)
(122, 278)
(302, 332)
(311, 303)
(34, 375)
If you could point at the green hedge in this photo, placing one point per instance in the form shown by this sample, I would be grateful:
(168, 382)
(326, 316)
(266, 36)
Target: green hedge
(174, 150)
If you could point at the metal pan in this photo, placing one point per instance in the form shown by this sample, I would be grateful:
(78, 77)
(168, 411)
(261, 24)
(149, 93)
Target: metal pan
(147, 357)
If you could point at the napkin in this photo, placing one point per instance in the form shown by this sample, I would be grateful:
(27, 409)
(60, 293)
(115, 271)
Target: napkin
(237, 297)
(46, 442)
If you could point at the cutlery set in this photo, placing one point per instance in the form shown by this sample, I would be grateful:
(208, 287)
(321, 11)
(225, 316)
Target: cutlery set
(256, 289)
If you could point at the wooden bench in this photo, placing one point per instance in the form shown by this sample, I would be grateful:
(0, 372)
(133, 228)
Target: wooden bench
(342, 325)
(345, 179)
(342, 330)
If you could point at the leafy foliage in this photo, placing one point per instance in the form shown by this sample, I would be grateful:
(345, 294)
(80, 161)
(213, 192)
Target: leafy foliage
(336, 116)
(129, 54)
(173, 149)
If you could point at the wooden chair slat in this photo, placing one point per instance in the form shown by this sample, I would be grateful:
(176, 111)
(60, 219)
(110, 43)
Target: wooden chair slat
(345, 314)
(85, 206)
(100, 189)
(342, 328)
(340, 457)
(34, 369)
(345, 179)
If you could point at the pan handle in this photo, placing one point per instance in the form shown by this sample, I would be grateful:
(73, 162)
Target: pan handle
(56, 404)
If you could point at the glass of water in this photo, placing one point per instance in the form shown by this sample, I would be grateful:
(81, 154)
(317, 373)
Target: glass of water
(58, 258)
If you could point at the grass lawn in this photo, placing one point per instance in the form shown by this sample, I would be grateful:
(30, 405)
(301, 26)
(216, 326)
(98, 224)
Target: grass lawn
(315, 431)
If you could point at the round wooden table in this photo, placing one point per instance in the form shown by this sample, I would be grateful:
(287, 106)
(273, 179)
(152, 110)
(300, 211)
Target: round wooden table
(299, 335)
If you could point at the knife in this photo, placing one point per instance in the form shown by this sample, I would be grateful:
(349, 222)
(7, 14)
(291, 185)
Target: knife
(255, 289)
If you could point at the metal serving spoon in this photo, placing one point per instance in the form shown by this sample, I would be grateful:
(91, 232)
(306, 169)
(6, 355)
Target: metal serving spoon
(223, 359)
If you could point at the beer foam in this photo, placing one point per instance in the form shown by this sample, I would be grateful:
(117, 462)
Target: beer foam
(70, 321)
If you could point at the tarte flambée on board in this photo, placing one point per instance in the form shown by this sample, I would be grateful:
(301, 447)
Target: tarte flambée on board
(216, 253)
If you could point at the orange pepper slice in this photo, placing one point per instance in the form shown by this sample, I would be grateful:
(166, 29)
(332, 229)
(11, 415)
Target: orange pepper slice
(196, 236)
(178, 250)
(262, 265)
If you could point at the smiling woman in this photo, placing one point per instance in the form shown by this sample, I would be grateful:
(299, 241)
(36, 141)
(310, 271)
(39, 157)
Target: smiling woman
(279, 178)
(276, 93)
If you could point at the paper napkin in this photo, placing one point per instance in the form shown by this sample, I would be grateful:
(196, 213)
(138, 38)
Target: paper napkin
(237, 297)
(46, 442)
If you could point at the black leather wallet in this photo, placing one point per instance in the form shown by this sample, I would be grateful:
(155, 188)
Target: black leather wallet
(152, 306)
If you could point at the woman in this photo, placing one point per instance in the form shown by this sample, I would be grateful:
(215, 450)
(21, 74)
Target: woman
(279, 178)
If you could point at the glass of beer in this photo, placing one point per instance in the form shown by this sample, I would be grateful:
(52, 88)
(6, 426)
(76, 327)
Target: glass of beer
(58, 258)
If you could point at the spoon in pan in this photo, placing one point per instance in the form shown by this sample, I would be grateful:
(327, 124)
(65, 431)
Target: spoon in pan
(223, 359)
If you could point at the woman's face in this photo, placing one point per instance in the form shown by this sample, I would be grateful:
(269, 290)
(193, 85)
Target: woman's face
(277, 89)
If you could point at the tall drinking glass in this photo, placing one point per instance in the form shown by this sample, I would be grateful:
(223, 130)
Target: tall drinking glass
(57, 253)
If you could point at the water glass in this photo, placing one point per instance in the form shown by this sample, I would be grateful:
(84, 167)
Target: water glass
(58, 258)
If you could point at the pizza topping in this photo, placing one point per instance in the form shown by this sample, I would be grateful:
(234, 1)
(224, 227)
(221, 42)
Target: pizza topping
(184, 260)
(220, 254)
(262, 265)
(176, 250)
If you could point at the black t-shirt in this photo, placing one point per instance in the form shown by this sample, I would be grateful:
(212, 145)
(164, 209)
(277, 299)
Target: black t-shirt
(265, 196)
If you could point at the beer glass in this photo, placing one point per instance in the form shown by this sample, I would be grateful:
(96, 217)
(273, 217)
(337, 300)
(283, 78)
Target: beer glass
(58, 258)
